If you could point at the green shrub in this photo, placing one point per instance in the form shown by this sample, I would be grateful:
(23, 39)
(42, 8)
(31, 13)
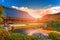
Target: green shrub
(15, 36)
(32, 38)
(54, 24)
(54, 36)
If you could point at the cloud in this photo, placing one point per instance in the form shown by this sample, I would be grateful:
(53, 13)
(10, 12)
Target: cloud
(36, 13)
(21, 8)
(26, 9)
(15, 7)
(56, 9)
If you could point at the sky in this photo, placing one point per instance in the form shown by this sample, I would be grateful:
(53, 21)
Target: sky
(34, 4)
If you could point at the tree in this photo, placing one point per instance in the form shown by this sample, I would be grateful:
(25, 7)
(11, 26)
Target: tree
(54, 24)
(2, 17)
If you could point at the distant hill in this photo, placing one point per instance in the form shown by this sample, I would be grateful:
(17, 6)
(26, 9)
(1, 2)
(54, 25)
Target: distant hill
(20, 20)
(50, 17)
(17, 16)
(11, 12)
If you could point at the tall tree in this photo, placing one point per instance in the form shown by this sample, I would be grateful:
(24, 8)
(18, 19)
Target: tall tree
(2, 17)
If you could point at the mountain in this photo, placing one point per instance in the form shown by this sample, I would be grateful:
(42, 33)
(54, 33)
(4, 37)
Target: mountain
(20, 20)
(50, 17)
(17, 16)
(11, 12)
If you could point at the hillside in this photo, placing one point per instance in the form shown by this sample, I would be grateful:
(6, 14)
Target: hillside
(50, 17)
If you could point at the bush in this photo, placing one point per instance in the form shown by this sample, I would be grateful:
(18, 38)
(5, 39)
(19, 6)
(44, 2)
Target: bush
(54, 36)
(32, 38)
(3, 34)
(15, 36)
(54, 24)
